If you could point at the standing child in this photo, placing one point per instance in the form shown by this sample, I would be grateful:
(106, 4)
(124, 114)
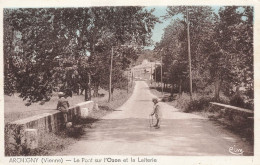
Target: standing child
(63, 106)
(156, 112)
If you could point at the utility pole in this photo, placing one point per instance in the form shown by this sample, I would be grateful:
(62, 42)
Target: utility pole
(151, 77)
(161, 75)
(155, 74)
(132, 78)
(127, 79)
(89, 86)
(189, 54)
(110, 76)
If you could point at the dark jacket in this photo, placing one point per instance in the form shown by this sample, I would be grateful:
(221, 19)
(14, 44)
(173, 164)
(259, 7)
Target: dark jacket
(63, 105)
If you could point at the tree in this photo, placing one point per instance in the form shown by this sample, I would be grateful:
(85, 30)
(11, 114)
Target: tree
(174, 54)
(9, 48)
(231, 54)
(221, 46)
(45, 60)
(123, 26)
(68, 48)
(202, 25)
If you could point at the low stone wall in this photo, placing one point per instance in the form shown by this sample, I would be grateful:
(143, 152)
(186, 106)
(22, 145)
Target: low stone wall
(42, 123)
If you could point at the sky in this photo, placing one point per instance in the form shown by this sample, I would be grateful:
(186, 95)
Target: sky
(159, 27)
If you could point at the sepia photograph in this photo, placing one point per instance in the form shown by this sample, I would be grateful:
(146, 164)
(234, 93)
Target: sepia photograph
(141, 81)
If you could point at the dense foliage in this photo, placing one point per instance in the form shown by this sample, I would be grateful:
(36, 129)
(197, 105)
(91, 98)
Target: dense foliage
(67, 49)
(221, 51)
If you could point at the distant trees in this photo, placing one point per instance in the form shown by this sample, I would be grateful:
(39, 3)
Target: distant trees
(221, 48)
(147, 54)
(47, 49)
(173, 46)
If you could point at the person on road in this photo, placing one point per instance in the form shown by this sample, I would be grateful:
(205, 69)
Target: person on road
(156, 112)
(63, 106)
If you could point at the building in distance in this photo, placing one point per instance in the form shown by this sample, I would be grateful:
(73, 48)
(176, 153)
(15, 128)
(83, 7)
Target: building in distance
(145, 70)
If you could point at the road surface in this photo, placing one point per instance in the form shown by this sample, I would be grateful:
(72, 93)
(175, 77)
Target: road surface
(126, 131)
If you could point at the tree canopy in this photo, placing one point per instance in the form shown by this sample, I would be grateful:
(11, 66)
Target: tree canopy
(50, 49)
(221, 48)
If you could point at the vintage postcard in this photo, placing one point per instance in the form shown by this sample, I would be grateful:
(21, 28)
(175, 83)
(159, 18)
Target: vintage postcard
(119, 82)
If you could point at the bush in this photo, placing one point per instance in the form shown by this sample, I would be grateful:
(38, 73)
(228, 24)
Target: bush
(183, 101)
(237, 101)
(47, 143)
(198, 105)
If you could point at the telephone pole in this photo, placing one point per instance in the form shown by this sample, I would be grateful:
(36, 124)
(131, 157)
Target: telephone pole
(151, 75)
(111, 69)
(161, 75)
(155, 75)
(110, 76)
(189, 54)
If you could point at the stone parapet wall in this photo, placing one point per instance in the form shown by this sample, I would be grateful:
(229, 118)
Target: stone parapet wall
(239, 119)
(43, 123)
(232, 113)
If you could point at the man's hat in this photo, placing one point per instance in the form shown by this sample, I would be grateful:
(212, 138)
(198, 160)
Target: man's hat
(155, 99)
(61, 94)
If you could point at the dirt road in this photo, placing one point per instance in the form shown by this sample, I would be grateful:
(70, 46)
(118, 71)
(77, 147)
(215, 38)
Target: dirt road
(127, 132)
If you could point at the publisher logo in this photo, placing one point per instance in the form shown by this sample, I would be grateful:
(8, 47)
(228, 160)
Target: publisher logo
(236, 151)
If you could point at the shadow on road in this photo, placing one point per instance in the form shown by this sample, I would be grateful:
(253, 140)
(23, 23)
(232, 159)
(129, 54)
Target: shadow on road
(175, 137)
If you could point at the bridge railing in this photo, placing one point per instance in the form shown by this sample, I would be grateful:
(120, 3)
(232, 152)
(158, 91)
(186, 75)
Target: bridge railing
(235, 117)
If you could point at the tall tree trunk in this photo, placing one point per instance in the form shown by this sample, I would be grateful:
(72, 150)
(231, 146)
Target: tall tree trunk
(89, 85)
(87, 88)
(96, 86)
(81, 90)
(77, 89)
(180, 90)
(112, 91)
(86, 93)
(217, 88)
(172, 90)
